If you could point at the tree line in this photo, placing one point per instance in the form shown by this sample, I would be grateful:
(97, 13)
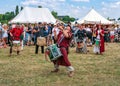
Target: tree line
(6, 17)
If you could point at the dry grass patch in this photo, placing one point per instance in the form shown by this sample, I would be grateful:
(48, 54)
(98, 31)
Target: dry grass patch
(29, 69)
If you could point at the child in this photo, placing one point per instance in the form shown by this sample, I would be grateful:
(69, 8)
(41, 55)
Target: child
(97, 46)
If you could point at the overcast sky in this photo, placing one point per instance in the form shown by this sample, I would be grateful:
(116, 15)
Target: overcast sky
(73, 8)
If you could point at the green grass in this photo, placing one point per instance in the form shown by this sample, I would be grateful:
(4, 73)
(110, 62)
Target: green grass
(29, 69)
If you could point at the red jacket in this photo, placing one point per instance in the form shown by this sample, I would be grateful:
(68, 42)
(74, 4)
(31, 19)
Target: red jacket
(16, 32)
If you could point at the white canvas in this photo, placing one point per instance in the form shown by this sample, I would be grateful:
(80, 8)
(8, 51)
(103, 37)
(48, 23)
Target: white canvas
(34, 15)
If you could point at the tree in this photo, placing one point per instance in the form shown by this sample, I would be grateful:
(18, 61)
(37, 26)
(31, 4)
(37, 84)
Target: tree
(12, 14)
(72, 19)
(39, 6)
(118, 19)
(68, 19)
(54, 14)
(16, 10)
(108, 18)
(1, 16)
(4, 18)
(21, 8)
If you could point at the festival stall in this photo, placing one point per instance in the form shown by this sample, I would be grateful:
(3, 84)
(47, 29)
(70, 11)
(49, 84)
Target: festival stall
(34, 15)
(94, 17)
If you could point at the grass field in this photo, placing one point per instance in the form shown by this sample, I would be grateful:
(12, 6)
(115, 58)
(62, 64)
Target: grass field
(29, 69)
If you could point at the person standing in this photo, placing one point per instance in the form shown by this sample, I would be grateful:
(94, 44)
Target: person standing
(15, 34)
(94, 34)
(5, 34)
(40, 33)
(55, 29)
(29, 34)
(100, 35)
(0, 31)
(35, 31)
(112, 35)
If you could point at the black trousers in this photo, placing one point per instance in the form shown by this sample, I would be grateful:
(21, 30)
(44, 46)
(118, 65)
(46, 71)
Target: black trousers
(93, 40)
(37, 48)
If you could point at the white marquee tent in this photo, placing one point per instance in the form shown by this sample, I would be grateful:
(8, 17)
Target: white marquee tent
(34, 15)
(94, 17)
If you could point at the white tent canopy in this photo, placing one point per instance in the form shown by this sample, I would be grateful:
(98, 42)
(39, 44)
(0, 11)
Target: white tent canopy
(34, 15)
(94, 17)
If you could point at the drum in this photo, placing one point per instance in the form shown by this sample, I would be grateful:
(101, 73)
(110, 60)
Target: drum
(16, 45)
(97, 42)
(55, 52)
(41, 41)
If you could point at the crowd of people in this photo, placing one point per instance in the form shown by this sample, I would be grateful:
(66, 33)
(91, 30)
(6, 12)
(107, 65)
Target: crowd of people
(30, 32)
(79, 35)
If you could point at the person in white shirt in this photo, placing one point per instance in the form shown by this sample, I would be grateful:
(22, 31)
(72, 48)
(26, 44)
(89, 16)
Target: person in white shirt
(5, 34)
(112, 35)
(0, 31)
(55, 29)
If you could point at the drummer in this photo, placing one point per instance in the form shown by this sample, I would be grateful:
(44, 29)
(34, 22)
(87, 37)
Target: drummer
(15, 34)
(65, 35)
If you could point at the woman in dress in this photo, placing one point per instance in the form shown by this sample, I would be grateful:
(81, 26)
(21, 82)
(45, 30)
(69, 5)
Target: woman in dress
(100, 35)
(5, 34)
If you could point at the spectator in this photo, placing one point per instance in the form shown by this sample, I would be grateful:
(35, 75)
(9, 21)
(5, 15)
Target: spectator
(5, 34)
(112, 35)
(0, 31)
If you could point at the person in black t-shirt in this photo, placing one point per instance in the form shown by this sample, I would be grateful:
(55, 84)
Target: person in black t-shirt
(28, 33)
(81, 44)
(35, 32)
(40, 33)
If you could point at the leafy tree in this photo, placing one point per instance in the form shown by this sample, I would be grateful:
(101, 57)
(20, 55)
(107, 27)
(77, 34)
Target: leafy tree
(1, 16)
(54, 14)
(21, 8)
(39, 6)
(16, 10)
(12, 14)
(108, 18)
(72, 19)
(4, 18)
(68, 19)
(118, 19)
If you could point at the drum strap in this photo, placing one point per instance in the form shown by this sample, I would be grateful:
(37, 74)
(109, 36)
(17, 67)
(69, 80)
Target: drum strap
(60, 41)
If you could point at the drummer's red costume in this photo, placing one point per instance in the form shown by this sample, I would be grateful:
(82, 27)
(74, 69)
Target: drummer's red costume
(63, 45)
(64, 50)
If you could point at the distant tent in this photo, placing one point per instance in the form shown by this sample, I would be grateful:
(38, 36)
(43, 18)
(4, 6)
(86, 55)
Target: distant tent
(94, 17)
(34, 15)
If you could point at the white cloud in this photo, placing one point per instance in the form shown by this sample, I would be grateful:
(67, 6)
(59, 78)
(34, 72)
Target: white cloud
(81, 0)
(29, 2)
(37, 2)
(108, 9)
(59, 6)
(111, 9)
(111, 4)
(62, 0)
